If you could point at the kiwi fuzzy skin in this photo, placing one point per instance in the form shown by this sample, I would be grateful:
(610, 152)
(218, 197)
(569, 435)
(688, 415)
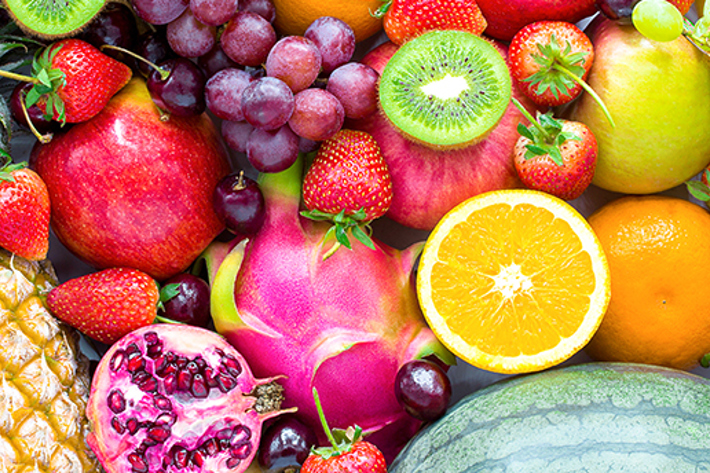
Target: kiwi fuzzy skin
(45, 37)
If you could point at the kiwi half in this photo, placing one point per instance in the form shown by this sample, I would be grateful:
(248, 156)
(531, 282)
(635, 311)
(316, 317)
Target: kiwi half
(53, 19)
(446, 89)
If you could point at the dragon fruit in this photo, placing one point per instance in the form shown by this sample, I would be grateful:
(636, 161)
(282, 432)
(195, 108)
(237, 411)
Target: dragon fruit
(174, 398)
(344, 324)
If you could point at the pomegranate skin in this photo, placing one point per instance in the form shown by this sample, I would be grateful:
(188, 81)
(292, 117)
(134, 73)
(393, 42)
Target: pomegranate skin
(175, 398)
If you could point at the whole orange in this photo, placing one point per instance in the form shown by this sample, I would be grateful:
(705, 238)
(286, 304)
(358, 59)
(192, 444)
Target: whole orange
(658, 251)
(294, 16)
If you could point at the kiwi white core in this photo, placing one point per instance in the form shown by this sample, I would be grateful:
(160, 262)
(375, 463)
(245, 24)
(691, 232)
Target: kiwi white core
(448, 87)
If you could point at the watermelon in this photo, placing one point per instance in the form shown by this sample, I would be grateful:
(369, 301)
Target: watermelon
(595, 417)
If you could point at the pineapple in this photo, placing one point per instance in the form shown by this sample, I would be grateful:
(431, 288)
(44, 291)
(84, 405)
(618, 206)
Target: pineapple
(45, 379)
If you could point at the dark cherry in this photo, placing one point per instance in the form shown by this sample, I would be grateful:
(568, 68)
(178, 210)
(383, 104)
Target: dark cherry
(238, 201)
(154, 47)
(116, 26)
(41, 124)
(215, 60)
(618, 10)
(182, 93)
(285, 445)
(191, 305)
(423, 389)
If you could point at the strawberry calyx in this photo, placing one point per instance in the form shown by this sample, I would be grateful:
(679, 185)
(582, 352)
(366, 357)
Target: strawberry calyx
(8, 168)
(344, 224)
(48, 81)
(545, 133)
(341, 441)
(700, 189)
(553, 61)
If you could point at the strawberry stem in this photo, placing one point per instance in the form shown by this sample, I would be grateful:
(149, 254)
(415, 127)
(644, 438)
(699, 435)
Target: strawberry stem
(589, 90)
(532, 120)
(163, 73)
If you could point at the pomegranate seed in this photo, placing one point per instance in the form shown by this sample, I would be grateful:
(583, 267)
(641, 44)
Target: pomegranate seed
(233, 462)
(225, 382)
(116, 424)
(162, 402)
(137, 463)
(151, 338)
(116, 402)
(180, 456)
(241, 435)
(184, 380)
(232, 365)
(192, 367)
(155, 350)
(117, 360)
(132, 348)
(199, 387)
(159, 433)
(224, 434)
(170, 383)
(135, 362)
(166, 418)
(198, 458)
(210, 447)
(241, 451)
(132, 425)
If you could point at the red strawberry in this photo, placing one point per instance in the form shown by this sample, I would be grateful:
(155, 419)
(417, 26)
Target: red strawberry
(549, 59)
(108, 304)
(24, 212)
(348, 183)
(348, 453)
(555, 156)
(76, 80)
(682, 5)
(406, 19)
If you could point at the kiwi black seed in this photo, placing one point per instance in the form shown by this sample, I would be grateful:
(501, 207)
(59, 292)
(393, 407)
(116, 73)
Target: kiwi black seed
(53, 19)
(446, 89)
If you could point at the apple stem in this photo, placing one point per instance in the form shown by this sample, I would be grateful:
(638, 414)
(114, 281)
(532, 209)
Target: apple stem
(532, 120)
(18, 77)
(589, 90)
(163, 73)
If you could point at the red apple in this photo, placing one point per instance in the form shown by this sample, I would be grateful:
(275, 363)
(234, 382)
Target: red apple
(507, 17)
(427, 182)
(128, 189)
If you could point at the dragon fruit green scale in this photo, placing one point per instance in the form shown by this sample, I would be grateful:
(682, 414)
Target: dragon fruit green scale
(343, 325)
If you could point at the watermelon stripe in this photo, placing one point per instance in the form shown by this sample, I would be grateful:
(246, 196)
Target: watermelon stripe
(594, 417)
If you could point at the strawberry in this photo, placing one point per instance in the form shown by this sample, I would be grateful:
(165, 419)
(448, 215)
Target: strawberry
(348, 453)
(74, 80)
(348, 183)
(24, 212)
(555, 156)
(548, 60)
(406, 19)
(108, 304)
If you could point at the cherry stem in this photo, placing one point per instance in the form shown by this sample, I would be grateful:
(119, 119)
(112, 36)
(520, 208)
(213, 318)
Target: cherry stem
(323, 421)
(532, 120)
(589, 90)
(163, 73)
(44, 139)
(18, 77)
(239, 185)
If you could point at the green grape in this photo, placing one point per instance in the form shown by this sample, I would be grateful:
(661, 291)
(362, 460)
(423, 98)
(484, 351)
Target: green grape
(657, 20)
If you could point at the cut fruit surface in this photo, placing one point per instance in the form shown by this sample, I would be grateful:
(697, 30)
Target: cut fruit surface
(513, 281)
(49, 19)
(445, 88)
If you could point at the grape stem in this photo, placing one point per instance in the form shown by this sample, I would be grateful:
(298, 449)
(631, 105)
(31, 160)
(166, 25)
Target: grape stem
(589, 90)
(164, 74)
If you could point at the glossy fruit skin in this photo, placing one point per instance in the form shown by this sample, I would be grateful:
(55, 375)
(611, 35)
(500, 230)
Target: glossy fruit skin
(240, 203)
(507, 17)
(506, 417)
(129, 295)
(407, 19)
(423, 389)
(112, 209)
(191, 305)
(115, 26)
(569, 180)
(285, 444)
(655, 315)
(362, 457)
(92, 78)
(24, 214)
(183, 92)
(427, 183)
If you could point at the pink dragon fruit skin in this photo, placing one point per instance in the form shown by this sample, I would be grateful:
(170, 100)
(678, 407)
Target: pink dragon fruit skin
(344, 324)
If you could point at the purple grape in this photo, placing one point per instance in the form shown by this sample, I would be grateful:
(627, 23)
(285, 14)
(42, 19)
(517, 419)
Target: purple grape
(285, 445)
(263, 8)
(618, 10)
(247, 39)
(223, 93)
(182, 93)
(423, 389)
(116, 26)
(215, 60)
(191, 304)
(355, 85)
(267, 103)
(153, 47)
(272, 151)
(317, 114)
(295, 60)
(236, 134)
(306, 146)
(190, 38)
(41, 124)
(334, 39)
(214, 12)
(239, 203)
(159, 12)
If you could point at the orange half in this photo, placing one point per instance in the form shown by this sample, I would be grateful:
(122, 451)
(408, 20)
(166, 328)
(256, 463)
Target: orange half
(513, 281)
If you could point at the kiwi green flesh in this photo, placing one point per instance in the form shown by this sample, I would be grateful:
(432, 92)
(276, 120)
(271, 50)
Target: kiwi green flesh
(53, 19)
(445, 88)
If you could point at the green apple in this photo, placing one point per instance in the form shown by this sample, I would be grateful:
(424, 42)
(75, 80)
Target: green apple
(657, 93)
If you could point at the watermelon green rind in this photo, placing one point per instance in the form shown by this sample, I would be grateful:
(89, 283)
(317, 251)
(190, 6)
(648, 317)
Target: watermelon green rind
(602, 417)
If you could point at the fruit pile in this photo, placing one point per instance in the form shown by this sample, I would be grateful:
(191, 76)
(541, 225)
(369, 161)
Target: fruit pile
(279, 236)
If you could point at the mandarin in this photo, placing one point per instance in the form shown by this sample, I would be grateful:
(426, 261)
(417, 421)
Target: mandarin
(293, 17)
(658, 250)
